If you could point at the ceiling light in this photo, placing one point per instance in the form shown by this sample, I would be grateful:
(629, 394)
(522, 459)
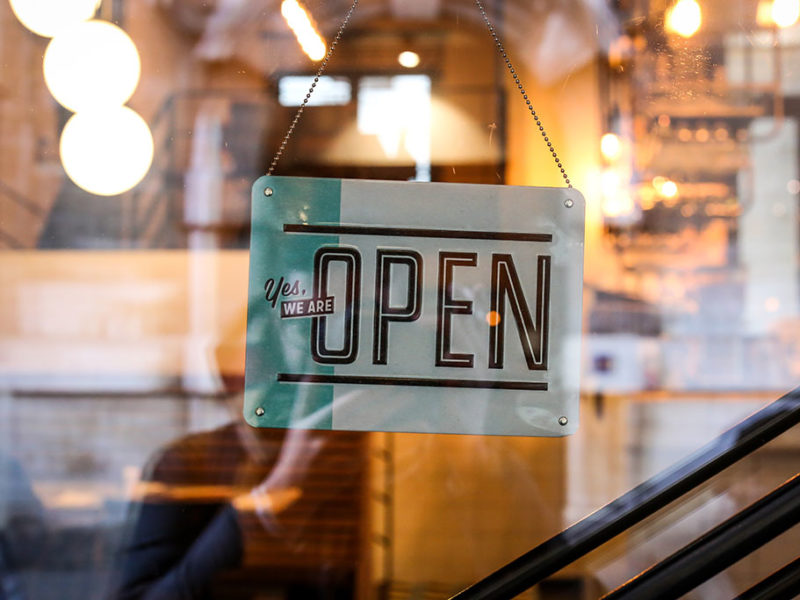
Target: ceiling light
(610, 147)
(91, 64)
(300, 23)
(408, 59)
(48, 17)
(666, 188)
(684, 18)
(106, 152)
(785, 12)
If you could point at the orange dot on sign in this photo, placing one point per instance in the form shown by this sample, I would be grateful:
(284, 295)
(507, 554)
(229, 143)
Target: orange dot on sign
(492, 318)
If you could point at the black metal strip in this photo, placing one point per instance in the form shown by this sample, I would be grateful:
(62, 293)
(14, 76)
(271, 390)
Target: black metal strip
(534, 386)
(415, 232)
(639, 503)
(717, 549)
(782, 584)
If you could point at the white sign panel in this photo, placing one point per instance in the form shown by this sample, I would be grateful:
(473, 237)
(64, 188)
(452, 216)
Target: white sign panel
(424, 307)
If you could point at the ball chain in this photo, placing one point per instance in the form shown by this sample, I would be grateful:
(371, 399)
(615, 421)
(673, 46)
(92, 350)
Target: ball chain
(321, 69)
(522, 91)
(500, 48)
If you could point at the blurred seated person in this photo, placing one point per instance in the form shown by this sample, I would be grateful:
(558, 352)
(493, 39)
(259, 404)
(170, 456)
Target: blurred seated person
(22, 527)
(240, 512)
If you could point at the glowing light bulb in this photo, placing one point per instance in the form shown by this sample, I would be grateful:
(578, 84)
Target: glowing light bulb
(666, 188)
(48, 17)
(106, 152)
(785, 12)
(408, 59)
(610, 147)
(303, 28)
(669, 189)
(90, 65)
(685, 18)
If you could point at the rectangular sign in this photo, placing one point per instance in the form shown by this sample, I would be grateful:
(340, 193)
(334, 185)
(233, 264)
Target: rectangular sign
(423, 307)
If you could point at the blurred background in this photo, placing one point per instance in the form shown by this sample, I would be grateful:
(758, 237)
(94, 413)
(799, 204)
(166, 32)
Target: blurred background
(131, 133)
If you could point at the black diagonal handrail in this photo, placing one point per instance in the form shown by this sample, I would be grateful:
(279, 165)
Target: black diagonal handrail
(717, 549)
(639, 503)
(782, 584)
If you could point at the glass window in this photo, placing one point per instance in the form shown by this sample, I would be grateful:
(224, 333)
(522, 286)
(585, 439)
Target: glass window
(130, 137)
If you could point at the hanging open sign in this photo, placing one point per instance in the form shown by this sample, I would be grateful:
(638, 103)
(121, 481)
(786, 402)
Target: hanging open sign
(425, 307)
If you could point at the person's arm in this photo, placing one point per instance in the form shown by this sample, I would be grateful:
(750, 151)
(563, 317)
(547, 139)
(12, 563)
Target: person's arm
(177, 549)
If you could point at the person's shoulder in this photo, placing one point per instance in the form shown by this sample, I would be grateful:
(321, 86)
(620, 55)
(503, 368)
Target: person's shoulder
(194, 457)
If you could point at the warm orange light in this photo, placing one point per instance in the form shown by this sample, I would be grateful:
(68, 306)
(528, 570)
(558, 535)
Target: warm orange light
(666, 188)
(408, 59)
(621, 205)
(610, 147)
(617, 201)
(785, 12)
(300, 23)
(684, 18)
(764, 14)
(48, 17)
(493, 318)
(669, 189)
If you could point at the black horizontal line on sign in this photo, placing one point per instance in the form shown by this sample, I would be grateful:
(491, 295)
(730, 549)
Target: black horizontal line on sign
(535, 386)
(414, 232)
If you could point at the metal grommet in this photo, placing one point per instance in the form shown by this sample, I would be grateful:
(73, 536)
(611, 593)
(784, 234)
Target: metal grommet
(268, 191)
(569, 203)
(259, 412)
(563, 421)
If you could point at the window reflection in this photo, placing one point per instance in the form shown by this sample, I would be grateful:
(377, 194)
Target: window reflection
(123, 317)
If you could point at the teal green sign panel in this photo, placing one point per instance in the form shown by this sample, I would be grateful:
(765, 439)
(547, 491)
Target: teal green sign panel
(419, 307)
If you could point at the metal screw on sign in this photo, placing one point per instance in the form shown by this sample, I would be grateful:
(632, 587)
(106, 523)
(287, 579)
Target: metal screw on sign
(268, 191)
(259, 412)
(563, 421)
(569, 203)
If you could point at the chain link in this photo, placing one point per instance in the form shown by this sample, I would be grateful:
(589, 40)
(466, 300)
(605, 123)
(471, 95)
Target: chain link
(522, 91)
(300, 110)
(500, 48)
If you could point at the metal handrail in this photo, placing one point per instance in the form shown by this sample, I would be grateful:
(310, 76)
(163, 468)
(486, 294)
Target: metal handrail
(718, 549)
(782, 584)
(639, 503)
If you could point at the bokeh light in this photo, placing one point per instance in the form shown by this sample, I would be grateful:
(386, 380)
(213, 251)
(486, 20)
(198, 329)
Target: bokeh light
(684, 18)
(666, 188)
(106, 152)
(48, 17)
(91, 65)
(610, 147)
(785, 12)
(408, 59)
(300, 23)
